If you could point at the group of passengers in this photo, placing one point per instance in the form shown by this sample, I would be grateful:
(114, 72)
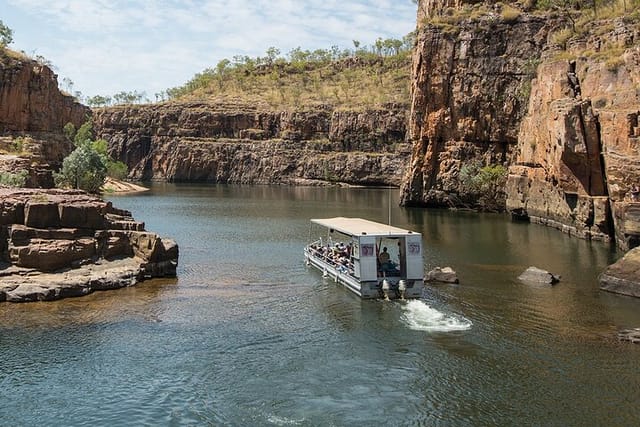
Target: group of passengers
(338, 254)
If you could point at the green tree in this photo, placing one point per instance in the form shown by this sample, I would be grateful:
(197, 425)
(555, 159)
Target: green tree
(6, 35)
(89, 164)
(17, 179)
(83, 169)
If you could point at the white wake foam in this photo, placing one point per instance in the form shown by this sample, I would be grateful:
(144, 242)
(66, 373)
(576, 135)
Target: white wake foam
(420, 317)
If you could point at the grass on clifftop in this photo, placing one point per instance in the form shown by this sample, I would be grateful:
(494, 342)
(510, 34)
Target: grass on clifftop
(363, 77)
(350, 83)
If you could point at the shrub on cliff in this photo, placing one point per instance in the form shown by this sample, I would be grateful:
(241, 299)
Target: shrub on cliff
(6, 35)
(17, 179)
(485, 185)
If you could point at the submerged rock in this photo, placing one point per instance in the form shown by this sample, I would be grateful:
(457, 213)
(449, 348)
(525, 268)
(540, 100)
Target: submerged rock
(443, 275)
(63, 243)
(538, 275)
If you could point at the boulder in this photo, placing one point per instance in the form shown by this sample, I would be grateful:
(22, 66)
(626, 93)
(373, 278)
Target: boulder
(623, 277)
(443, 275)
(537, 275)
(41, 214)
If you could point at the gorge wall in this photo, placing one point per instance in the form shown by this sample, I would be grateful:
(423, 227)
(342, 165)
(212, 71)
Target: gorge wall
(240, 143)
(33, 111)
(561, 114)
(577, 157)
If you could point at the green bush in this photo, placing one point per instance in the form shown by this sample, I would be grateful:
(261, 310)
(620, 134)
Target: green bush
(18, 179)
(83, 169)
(86, 167)
(484, 184)
(117, 170)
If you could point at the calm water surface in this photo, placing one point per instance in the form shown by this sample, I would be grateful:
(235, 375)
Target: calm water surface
(248, 335)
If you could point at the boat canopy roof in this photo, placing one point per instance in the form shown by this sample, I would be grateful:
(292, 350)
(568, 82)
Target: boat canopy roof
(359, 227)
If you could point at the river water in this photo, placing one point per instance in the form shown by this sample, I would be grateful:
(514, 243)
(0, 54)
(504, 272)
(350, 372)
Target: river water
(248, 335)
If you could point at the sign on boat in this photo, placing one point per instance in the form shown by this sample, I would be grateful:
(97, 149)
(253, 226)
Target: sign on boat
(371, 259)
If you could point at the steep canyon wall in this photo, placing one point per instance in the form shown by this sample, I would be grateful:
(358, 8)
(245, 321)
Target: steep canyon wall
(500, 89)
(469, 95)
(34, 111)
(239, 143)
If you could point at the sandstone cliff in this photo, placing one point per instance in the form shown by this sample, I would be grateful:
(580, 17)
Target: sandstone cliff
(239, 143)
(577, 156)
(33, 110)
(62, 243)
(560, 112)
(469, 95)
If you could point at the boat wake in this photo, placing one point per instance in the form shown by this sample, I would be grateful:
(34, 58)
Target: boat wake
(420, 317)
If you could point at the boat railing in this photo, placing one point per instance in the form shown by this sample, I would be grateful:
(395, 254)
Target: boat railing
(334, 255)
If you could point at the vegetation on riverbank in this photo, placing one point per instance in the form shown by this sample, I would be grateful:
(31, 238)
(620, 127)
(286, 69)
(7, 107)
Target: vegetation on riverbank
(89, 164)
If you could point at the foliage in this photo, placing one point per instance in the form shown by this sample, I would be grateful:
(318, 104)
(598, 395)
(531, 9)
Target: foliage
(84, 168)
(117, 170)
(89, 164)
(364, 75)
(17, 179)
(17, 145)
(485, 184)
(69, 131)
(6, 35)
(509, 13)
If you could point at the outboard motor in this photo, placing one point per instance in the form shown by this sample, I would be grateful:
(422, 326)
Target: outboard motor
(402, 287)
(385, 289)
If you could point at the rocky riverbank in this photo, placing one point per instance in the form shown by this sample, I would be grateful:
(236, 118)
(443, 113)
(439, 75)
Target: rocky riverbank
(63, 243)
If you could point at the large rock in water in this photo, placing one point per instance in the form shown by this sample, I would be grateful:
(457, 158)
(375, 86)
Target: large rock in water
(538, 275)
(62, 243)
(623, 277)
(442, 275)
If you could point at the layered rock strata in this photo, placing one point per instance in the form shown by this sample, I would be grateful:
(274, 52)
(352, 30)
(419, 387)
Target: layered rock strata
(30, 99)
(577, 159)
(238, 143)
(62, 243)
(469, 95)
(33, 112)
(562, 115)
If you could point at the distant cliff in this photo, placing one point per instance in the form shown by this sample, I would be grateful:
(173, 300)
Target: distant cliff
(30, 100)
(241, 143)
(501, 84)
(33, 112)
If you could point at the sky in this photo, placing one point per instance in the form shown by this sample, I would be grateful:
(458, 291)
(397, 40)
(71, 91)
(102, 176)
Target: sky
(108, 46)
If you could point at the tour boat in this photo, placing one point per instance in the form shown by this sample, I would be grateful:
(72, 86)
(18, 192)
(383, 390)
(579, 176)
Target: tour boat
(372, 260)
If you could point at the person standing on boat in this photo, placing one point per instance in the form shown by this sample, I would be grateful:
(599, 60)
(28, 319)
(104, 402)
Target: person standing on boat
(384, 258)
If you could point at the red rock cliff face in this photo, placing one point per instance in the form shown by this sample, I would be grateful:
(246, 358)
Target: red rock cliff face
(239, 143)
(570, 136)
(577, 157)
(30, 100)
(33, 109)
(468, 99)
